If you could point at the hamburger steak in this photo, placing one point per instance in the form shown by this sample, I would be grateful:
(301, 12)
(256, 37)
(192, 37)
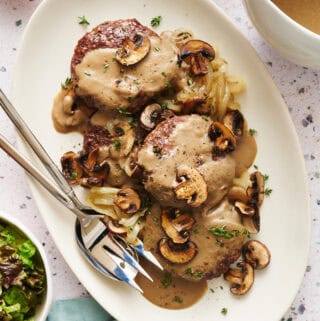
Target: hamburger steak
(105, 82)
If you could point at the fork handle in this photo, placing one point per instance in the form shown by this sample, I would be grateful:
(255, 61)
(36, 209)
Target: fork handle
(27, 134)
(43, 180)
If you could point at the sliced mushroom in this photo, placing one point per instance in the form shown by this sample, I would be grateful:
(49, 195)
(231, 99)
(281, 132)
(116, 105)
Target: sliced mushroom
(241, 279)
(71, 168)
(195, 53)
(128, 200)
(237, 193)
(224, 140)
(177, 253)
(192, 186)
(176, 227)
(131, 167)
(256, 254)
(116, 176)
(152, 115)
(133, 51)
(116, 228)
(123, 140)
(234, 120)
(91, 181)
(255, 192)
(244, 209)
(252, 223)
(68, 102)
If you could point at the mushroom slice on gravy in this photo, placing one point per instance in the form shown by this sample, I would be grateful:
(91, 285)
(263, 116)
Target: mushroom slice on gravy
(234, 120)
(192, 186)
(152, 115)
(195, 53)
(223, 139)
(177, 253)
(241, 279)
(133, 51)
(128, 200)
(252, 223)
(256, 254)
(176, 226)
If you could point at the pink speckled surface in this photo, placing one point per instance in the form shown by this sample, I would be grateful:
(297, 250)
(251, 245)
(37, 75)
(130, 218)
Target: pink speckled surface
(299, 87)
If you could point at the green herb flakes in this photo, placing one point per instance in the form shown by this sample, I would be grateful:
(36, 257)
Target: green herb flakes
(83, 21)
(177, 299)
(124, 111)
(164, 105)
(167, 280)
(224, 311)
(267, 191)
(252, 131)
(66, 83)
(117, 144)
(221, 231)
(156, 21)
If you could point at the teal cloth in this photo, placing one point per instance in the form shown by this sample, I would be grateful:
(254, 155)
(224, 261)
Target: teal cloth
(82, 309)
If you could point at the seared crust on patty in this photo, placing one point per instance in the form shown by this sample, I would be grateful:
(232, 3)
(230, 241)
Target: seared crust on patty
(110, 34)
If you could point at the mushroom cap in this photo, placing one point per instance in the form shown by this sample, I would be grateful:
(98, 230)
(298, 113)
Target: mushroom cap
(192, 186)
(133, 51)
(223, 139)
(255, 192)
(252, 223)
(176, 227)
(194, 46)
(71, 168)
(256, 254)
(128, 200)
(234, 120)
(177, 253)
(241, 279)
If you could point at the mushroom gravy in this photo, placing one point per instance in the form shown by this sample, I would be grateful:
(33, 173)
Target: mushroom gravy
(304, 12)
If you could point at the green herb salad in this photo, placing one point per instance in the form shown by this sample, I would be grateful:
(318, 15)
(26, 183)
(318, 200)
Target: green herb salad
(22, 275)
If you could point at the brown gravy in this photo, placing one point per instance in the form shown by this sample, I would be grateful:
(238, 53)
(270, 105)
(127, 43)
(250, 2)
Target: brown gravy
(168, 292)
(304, 12)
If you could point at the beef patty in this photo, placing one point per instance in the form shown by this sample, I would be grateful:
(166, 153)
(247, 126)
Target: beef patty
(214, 254)
(183, 140)
(105, 83)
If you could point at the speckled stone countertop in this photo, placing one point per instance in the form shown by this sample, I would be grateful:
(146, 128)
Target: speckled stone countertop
(299, 86)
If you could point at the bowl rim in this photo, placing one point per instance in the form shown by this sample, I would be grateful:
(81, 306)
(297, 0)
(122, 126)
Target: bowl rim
(46, 304)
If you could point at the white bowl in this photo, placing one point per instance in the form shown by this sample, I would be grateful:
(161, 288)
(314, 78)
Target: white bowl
(43, 309)
(295, 42)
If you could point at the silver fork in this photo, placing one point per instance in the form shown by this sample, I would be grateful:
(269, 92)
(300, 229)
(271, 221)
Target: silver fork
(95, 240)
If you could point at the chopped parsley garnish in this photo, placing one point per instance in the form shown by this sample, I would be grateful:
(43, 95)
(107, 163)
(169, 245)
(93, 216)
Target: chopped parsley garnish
(167, 84)
(255, 167)
(117, 144)
(224, 311)
(74, 174)
(83, 21)
(156, 21)
(221, 231)
(265, 177)
(106, 66)
(190, 81)
(164, 105)
(218, 242)
(87, 73)
(267, 191)
(195, 231)
(66, 83)
(177, 299)
(196, 274)
(156, 49)
(205, 117)
(164, 74)
(166, 280)
(155, 219)
(252, 131)
(123, 111)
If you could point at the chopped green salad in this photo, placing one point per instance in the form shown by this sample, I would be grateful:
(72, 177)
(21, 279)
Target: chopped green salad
(22, 276)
